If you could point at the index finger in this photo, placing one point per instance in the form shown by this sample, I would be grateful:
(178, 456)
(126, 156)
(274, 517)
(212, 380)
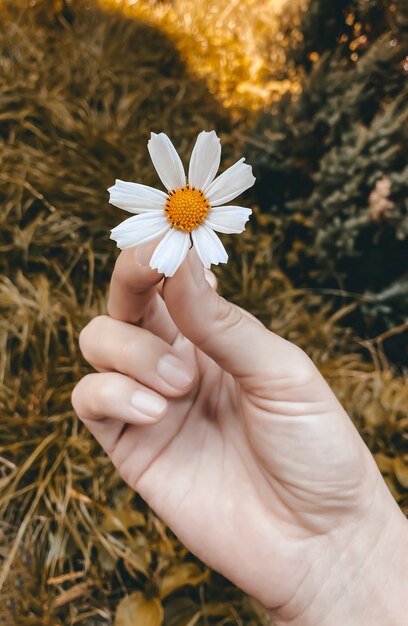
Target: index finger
(133, 285)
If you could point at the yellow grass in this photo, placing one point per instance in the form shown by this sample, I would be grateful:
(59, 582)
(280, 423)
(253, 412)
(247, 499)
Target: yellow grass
(238, 47)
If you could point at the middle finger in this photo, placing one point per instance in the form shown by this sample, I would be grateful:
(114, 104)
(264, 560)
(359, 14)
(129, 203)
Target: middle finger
(112, 345)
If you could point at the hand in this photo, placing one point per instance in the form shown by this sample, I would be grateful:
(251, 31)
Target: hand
(235, 440)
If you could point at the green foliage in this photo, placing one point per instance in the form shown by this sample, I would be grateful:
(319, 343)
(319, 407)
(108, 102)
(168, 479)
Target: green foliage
(333, 174)
(347, 26)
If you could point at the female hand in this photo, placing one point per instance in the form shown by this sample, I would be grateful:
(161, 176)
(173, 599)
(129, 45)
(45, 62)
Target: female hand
(232, 436)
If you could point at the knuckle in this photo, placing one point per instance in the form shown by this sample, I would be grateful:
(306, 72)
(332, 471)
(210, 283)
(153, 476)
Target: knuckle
(251, 317)
(92, 332)
(104, 393)
(152, 312)
(129, 354)
(92, 396)
(227, 315)
(134, 354)
(221, 315)
(211, 278)
(303, 367)
(126, 472)
(74, 399)
(79, 394)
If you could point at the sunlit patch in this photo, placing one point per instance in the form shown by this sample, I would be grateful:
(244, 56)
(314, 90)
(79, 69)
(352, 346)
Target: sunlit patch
(186, 208)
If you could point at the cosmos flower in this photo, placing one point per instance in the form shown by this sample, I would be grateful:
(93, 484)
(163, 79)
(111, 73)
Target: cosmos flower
(191, 209)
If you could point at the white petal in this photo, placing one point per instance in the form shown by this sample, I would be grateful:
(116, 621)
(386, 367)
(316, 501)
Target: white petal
(140, 229)
(136, 198)
(208, 246)
(166, 161)
(171, 252)
(228, 219)
(230, 183)
(205, 159)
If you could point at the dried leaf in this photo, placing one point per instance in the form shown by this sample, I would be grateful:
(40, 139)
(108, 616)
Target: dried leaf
(181, 575)
(122, 520)
(105, 559)
(136, 609)
(384, 462)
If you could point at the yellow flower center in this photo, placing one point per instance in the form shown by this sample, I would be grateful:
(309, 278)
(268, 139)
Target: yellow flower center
(186, 208)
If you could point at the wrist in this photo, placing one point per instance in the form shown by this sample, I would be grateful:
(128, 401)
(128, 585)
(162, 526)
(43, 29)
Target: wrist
(358, 576)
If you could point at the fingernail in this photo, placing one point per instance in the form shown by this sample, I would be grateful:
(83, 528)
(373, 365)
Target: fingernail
(174, 371)
(147, 403)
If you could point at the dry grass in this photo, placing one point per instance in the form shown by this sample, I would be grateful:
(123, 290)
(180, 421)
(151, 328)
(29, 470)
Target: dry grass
(80, 90)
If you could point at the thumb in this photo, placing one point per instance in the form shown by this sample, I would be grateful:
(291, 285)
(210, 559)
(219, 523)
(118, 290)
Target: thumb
(235, 340)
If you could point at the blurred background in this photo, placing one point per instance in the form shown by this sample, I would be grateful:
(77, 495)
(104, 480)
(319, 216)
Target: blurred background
(315, 94)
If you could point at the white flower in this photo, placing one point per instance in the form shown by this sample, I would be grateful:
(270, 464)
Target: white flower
(191, 209)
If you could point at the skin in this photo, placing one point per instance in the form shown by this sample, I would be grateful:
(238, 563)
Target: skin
(250, 460)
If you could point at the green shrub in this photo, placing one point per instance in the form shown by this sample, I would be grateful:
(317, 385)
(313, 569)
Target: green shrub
(333, 168)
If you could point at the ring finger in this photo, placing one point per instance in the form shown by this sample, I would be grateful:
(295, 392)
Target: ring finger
(124, 400)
